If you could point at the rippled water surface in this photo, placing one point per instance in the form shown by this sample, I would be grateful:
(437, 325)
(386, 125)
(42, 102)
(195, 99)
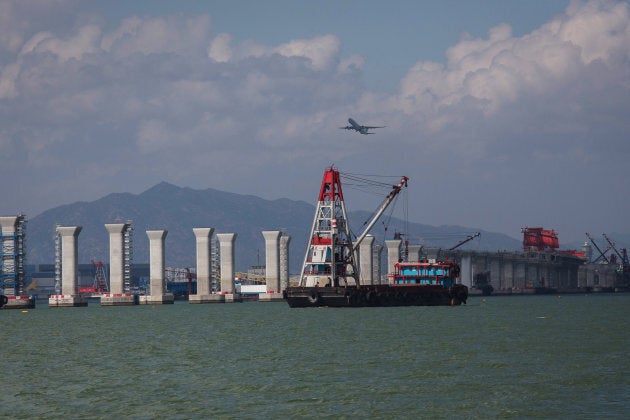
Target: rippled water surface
(527, 356)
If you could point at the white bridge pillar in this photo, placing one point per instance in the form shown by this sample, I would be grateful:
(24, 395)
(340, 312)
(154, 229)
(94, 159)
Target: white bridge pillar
(272, 260)
(226, 245)
(272, 266)
(285, 240)
(204, 268)
(156, 270)
(116, 295)
(69, 269)
(366, 251)
(393, 253)
(116, 260)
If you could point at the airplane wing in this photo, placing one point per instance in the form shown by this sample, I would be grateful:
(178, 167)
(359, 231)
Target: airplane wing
(372, 126)
(348, 127)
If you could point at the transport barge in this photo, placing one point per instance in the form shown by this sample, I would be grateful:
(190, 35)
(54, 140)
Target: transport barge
(329, 274)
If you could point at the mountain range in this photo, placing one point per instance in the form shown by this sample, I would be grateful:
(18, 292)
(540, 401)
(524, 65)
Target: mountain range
(179, 209)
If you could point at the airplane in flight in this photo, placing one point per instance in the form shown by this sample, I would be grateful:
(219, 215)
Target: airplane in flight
(363, 129)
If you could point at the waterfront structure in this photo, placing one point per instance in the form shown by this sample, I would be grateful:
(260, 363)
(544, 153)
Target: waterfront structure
(413, 253)
(12, 262)
(226, 245)
(285, 240)
(516, 272)
(376, 265)
(393, 253)
(272, 266)
(204, 268)
(119, 256)
(158, 294)
(68, 237)
(366, 260)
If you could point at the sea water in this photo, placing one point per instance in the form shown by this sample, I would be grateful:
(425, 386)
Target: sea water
(521, 356)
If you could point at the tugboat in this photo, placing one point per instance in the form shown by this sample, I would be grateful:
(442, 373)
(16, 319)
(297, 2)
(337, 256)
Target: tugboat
(329, 276)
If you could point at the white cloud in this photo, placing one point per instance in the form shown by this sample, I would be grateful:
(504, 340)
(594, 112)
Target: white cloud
(8, 78)
(173, 34)
(220, 49)
(321, 51)
(20, 20)
(600, 29)
(501, 69)
(85, 41)
(351, 64)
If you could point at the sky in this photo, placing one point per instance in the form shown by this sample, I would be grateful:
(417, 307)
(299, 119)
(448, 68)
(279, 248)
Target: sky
(503, 114)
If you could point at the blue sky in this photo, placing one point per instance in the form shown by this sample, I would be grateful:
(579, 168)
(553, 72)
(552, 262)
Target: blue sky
(503, 114)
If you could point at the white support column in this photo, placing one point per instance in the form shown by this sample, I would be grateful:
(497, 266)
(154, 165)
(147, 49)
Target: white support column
(272, 266)
(393, 253)
(466, 271)
(12, 263)
(9, 227)
(116, 260)
(204, 268)
(117, 295)
(272, 260)
(69, 269)
(285, 240)
(156, 269)
(226, 245)
(414, 253)
(376, 264)
(366, 250)
(69, 259)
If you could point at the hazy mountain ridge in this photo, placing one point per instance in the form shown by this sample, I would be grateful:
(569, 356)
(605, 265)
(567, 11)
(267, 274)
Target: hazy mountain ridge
(179, 209)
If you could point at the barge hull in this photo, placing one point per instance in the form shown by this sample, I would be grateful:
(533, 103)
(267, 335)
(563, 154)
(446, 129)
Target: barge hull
(379, 295)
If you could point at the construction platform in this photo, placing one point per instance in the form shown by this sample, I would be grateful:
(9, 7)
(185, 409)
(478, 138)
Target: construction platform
(19, 302)
(119, 299)
(164, 299)
(58, 301)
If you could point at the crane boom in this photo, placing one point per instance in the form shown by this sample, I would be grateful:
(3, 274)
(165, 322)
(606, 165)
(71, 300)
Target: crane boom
(470, 238)
(390, 197)
(612, 246)
(601, 254)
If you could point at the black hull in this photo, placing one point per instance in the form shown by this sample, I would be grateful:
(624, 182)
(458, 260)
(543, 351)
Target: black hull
(378, 295)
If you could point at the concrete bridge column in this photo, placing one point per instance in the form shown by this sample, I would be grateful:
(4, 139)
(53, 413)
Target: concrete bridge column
(9, 229)
(116, 263)
(272, 265)
(11, 263)
(496, 273)
(520, 275)
(366, 250)
(414, 253)
(204, 267)
(376, 264)
(466, 271)
(508, 274)
(285, 240)
(156, 270)
(226, 245)
(69, 269)
(393, 253)
(116, 295)
(272, 260)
